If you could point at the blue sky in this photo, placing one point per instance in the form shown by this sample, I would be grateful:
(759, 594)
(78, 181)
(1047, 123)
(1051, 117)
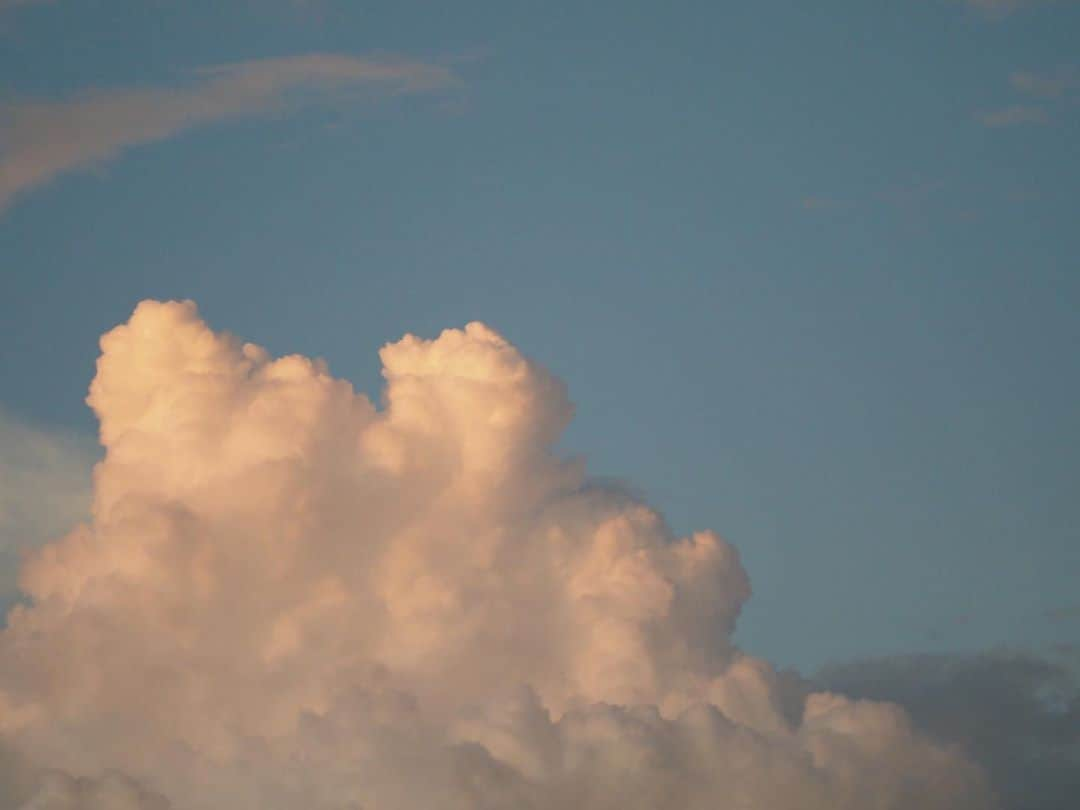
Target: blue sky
(810, 271)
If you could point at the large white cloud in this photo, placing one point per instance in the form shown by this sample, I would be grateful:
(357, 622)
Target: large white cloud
(287, 598)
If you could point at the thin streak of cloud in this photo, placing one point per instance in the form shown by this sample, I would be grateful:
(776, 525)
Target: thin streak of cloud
(1053, 85)
(6, 5)
(40, 140)
(1014, 116)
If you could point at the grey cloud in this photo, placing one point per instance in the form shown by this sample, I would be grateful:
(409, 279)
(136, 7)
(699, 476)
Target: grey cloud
(111, 791)
(1018, 714)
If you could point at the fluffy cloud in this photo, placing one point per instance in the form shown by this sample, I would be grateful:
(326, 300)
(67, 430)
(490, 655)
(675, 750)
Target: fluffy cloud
(289, 598)
(41, 139)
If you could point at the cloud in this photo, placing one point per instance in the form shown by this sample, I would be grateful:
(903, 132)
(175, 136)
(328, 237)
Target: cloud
(42, 139)
(1055, 85)
(1013, 116)
(291, 599)
(1019, 715)
(112, 791)
(1053, 89)
(44, 489)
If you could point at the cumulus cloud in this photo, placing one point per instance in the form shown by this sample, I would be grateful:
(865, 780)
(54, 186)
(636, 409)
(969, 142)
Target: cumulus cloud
(44, 489)
(290, 598)
(1018, 713)
(42, 139)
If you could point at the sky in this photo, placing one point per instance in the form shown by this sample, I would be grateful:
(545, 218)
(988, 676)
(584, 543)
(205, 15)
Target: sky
(809, 272)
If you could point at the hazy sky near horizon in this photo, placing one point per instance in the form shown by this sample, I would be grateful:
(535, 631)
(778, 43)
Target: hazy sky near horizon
(809, 271)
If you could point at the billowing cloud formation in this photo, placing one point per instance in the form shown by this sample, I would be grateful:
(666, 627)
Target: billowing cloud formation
(41, 139)
(289, 599)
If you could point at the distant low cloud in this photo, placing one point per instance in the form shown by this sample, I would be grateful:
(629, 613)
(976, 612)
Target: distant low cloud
(40, 140)
(1018, 714)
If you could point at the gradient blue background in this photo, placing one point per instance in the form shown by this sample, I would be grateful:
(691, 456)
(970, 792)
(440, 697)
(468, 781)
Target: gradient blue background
(799, 291)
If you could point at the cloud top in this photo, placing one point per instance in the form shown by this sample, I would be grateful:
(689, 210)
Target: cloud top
(288, 598)
(40, 140)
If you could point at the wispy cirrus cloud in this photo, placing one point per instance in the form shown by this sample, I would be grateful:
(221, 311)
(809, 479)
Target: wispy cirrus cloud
(41, 139)
(1014, 115)
(1054, 85)
(10, 4)
(1045, 92)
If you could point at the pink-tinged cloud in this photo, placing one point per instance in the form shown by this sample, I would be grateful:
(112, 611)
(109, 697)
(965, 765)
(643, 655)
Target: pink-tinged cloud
(287, 598)
(40, 140)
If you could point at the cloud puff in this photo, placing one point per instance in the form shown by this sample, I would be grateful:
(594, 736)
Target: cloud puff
(42, 139)
(288, 598)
